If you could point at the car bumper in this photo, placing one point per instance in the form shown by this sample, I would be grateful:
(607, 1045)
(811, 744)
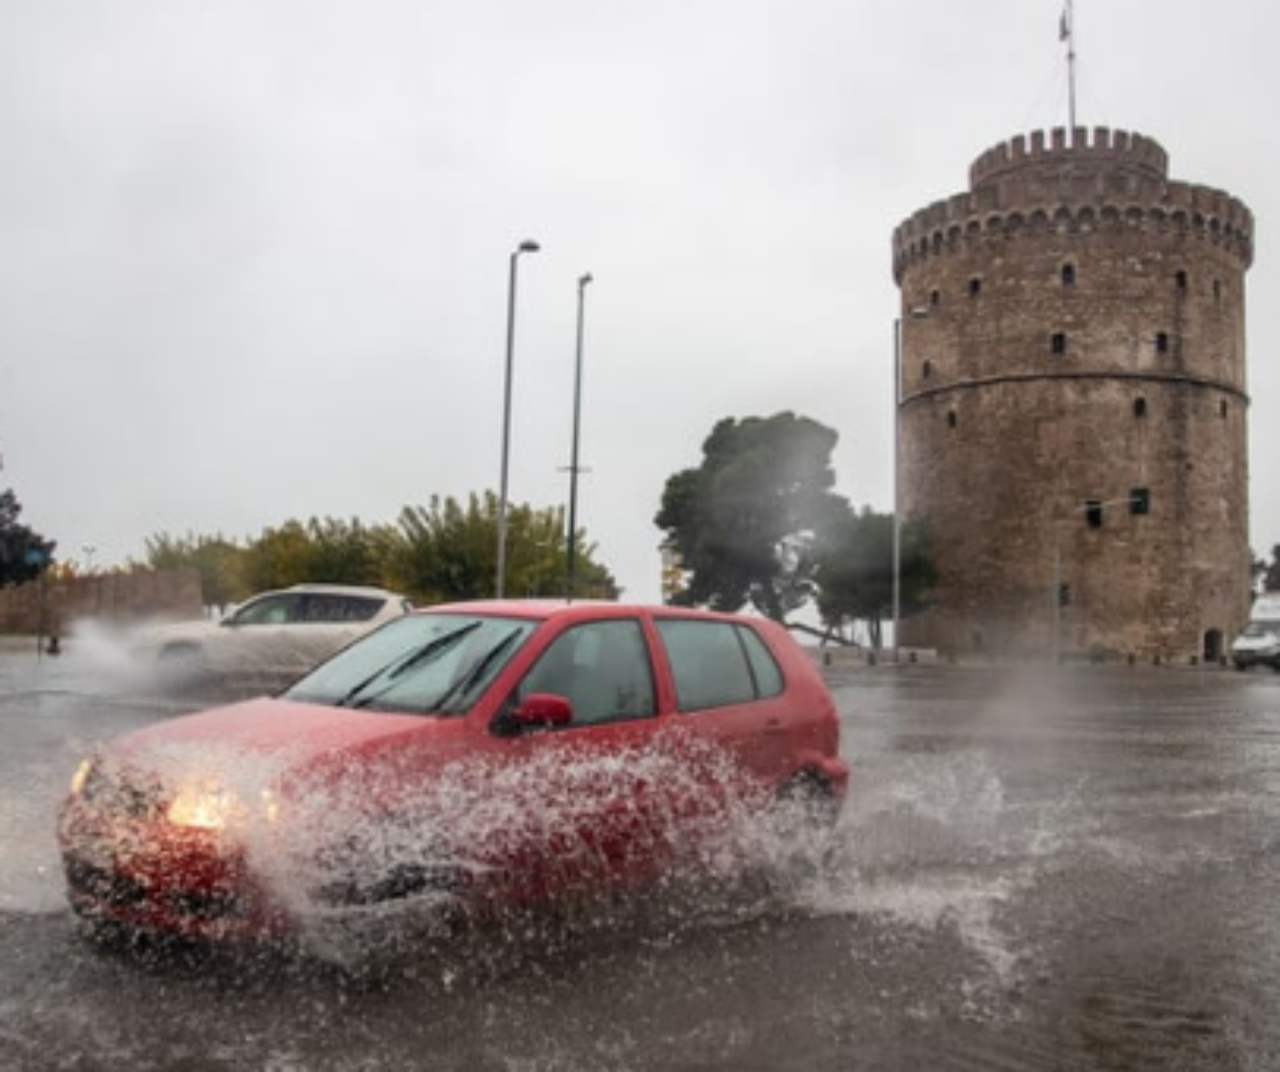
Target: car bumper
(166, 883)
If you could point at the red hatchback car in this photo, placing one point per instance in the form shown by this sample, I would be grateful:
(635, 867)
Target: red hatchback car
(469, 756)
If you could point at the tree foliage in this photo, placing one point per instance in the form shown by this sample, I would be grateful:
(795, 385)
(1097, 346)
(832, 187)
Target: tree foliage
(1269, 572)
(438, 552)
(746, 522)
(855, 571)
(24, 554)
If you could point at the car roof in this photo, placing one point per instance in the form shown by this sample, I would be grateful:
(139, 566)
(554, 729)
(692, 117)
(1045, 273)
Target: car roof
(578, 608)
(335, 589)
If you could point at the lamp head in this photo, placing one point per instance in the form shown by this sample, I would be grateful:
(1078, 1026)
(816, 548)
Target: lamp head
(528, 246)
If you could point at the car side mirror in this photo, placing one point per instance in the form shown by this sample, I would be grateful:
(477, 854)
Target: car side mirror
(537, 711)
(543, 710)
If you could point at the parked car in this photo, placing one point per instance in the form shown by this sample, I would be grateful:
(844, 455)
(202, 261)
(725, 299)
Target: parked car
(274, 637)
(468, 757)
(1259, 643)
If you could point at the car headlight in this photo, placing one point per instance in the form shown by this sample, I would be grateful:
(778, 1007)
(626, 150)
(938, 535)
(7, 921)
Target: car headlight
(209, 805)
(203, 806)
(81, 777)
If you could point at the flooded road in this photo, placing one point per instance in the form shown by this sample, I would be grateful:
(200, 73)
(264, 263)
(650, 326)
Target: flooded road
(1035, 870)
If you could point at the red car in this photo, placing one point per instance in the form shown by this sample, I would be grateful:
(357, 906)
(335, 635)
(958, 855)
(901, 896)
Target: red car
(470, 756)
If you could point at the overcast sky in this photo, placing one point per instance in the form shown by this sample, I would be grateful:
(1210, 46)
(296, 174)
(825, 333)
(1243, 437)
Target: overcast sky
(254, 253)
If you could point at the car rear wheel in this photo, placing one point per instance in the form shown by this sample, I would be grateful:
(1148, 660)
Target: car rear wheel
(800, 829)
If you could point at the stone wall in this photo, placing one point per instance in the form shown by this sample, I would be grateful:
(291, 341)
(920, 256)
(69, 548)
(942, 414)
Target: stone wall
(51, 607)
(1072, 331)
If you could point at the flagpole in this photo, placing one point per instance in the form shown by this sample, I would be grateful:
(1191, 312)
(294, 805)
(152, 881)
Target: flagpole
(1067, 32)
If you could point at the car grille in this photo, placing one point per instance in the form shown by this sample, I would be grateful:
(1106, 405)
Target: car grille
(93, 885)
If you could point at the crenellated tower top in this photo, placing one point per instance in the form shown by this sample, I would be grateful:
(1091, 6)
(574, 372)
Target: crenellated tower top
(1095, 178)
(1101, 151)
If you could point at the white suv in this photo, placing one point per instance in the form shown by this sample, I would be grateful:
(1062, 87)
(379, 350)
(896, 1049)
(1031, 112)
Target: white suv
(278, 635)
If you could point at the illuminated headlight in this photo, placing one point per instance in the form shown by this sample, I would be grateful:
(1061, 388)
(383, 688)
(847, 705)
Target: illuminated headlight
(211, 806)
(81, 777)
(204, 806)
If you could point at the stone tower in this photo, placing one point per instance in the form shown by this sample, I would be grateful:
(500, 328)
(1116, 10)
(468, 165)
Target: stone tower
(1072, 408)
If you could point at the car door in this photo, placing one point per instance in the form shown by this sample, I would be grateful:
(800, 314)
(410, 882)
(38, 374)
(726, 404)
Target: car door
(730, 694)
(583, 799)
(258, 635)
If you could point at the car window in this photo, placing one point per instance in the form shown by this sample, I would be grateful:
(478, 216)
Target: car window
(714, 664)
(339, 608)
(601, 668)
(269, 610)
(419, 664)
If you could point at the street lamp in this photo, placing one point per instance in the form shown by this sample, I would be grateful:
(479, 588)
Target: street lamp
(571, 556)
(917, 313)
(527, 246)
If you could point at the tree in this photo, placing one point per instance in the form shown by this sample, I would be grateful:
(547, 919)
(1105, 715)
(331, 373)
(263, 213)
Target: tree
(745, 523)
(445, 551)
(855, 571)
(1271, 571)
(24, 554)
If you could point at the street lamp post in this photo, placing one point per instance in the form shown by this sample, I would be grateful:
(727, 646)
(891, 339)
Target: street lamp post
(571, 550)
(527, 246)
(914, 314)
(897, 482)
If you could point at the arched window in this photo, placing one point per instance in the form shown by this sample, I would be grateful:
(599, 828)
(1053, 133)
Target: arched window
(1068, 275)
(1139, 407)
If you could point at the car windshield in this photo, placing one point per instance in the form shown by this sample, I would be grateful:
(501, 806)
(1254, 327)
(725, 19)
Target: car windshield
(1262, 629)
(423, 663)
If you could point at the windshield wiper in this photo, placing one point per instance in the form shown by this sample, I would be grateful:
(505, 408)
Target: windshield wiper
(406, 663)
(476, 673)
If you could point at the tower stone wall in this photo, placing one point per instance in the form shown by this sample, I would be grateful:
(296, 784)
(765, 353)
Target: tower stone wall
(1072, 344)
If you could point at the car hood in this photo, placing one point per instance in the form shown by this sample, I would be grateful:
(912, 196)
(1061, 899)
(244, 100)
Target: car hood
(269, 727)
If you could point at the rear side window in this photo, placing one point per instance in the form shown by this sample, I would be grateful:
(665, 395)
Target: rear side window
(715, 664)
(336, 608)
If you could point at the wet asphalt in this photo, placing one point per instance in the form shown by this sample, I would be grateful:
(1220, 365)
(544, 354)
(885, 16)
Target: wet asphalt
(1037, 868)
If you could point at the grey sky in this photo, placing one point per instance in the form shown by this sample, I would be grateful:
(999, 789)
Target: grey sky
(253, 253)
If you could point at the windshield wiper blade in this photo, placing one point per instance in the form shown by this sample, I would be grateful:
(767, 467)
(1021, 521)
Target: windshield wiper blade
(477, 671)
(407, 662)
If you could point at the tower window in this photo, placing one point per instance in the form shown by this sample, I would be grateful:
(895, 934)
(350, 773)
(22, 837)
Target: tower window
(926, 370)
(1093, 513)
(951, 418)
(1068, 275)
(1180, 279)
(935, 297)
(1162, 342)
(1222, 409)
(975, 287)
(1139, 407)
(1058, 343)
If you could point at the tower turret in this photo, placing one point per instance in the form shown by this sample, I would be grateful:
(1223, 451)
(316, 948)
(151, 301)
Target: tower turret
(1073, 403)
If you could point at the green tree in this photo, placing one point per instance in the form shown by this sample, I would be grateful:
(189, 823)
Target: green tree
(347, 552)
(24, 554)
(446, 551)
(745, 524)
(855, 571)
